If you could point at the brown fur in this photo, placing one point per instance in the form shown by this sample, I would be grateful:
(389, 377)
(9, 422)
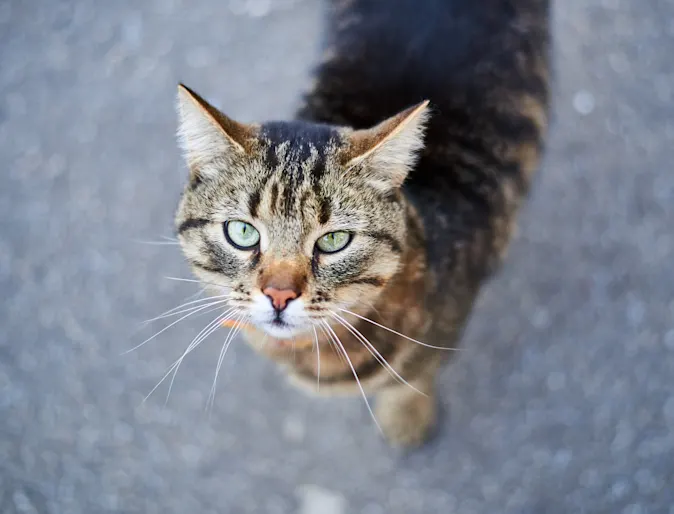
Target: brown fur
(430, 214)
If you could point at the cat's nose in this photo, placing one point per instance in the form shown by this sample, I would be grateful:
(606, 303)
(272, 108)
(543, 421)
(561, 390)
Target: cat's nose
(280, 297)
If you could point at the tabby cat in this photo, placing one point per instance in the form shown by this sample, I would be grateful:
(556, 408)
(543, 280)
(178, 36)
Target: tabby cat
(350, 243)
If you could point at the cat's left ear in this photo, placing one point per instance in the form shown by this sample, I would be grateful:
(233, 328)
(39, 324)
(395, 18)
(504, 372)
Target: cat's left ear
(206, 134)
(387, 152)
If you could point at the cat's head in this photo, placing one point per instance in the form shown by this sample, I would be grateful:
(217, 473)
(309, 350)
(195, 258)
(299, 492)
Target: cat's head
(294, 220)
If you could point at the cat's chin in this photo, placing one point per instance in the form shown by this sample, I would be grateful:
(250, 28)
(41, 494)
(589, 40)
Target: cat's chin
(282, 332)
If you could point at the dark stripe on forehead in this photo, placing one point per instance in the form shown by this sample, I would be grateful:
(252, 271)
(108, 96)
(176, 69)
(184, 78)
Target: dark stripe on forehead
(299, 136)
(303, 202)
(300, 140)
(388, 239)
(192, 223)
(289, 194)
(273, 198)
(325, 210)
(254, 203)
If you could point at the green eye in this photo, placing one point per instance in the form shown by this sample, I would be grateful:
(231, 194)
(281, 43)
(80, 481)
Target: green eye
(241, 235)
(333, 242)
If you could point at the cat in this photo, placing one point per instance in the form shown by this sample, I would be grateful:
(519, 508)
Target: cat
(353, 240)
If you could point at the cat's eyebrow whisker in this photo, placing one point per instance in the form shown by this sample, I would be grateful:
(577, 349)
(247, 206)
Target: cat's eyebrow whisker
(225, 346)
(374, 352)
(353, 370)
(398, 333)
(318, 359)
(198, 339)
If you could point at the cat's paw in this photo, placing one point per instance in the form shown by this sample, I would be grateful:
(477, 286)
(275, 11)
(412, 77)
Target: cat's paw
(406, 418)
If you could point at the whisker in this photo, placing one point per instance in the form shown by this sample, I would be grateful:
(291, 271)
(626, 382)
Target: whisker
(225, 346)
(332, 345)
(398, 333)
(318, 360)
(198, 339)
(196, 295)
(374, 352)
(188, 309)
(353, 370)
(180, 279)
(170, 369)
(166, 328)
(142, 324)
(199, 300)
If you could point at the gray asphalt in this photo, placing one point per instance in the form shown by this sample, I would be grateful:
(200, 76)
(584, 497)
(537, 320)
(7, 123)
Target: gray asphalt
(562, 402)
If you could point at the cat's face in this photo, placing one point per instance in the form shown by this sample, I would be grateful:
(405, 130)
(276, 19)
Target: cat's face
(294, 221)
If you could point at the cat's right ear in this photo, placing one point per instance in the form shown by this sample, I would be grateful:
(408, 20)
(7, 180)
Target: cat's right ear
(205, 134)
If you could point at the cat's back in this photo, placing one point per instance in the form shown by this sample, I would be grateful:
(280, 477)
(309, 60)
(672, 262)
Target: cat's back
(483, 64)
(384, 55)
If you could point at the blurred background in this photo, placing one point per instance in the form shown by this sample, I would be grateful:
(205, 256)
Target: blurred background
(563, 400)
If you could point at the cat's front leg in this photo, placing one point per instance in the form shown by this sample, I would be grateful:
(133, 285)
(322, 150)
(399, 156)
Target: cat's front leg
(407, 416)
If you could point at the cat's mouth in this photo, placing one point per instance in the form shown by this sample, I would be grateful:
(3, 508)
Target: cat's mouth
(287, 323)
(281, 328)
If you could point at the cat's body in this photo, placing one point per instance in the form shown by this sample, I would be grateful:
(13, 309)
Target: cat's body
(418, 250)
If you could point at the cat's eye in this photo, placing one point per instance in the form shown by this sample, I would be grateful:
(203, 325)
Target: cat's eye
(241, 235)
(333, 241)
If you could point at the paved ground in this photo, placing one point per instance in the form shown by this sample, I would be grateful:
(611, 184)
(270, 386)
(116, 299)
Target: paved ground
(562, 402)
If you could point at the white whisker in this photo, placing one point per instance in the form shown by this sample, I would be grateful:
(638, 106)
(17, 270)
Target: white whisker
(200, 308)
(225, 346)
(180, 279)
(172, 367)
(374, 352)
(193, 302)
(196, 295)
(353, 370)
(318, 360)
(188, 309)
(398, 333)
(198, 339)
(332, 345)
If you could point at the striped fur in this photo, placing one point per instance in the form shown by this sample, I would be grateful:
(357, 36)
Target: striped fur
(431, 211)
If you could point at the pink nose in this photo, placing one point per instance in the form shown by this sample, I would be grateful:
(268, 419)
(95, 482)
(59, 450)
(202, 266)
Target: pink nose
(280, 297)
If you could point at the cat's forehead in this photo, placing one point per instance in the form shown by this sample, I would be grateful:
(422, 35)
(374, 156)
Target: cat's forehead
(298, 144)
